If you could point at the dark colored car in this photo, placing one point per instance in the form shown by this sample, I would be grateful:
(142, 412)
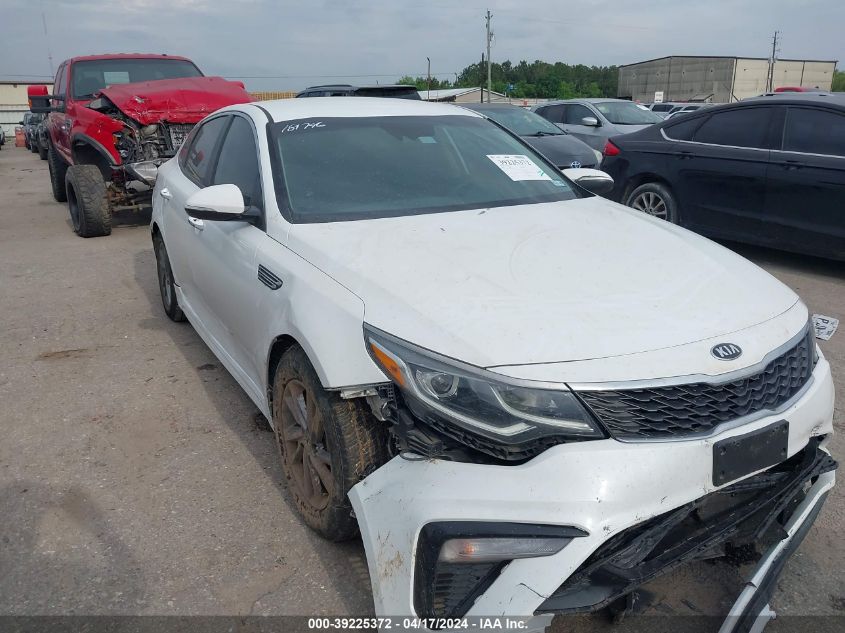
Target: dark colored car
(42, 139)
(562, 149)
(30, 122)
(767, 170)
(346, 90)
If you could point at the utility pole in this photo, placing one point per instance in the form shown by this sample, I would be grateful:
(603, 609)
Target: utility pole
(770, 83)
(428, 96)
(489, 40)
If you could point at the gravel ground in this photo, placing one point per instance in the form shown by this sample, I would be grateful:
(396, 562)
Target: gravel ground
(137, 478)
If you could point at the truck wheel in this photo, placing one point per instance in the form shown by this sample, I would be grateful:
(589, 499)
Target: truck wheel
(327, 445)
(42, 152)
(166, 285)
(58, 169)
(87, 201)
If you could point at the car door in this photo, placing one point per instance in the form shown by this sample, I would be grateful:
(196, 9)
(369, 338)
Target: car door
(60, 120)
(552, 113)
(226, 271)
(592, 135)
(720, 176)
(805, 193)
(195, 162)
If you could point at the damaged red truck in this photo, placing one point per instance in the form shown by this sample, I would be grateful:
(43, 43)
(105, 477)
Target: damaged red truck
(113, 119)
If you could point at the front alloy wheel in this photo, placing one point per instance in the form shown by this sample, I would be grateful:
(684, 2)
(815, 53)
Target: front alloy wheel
(304, 437)
(327, 445)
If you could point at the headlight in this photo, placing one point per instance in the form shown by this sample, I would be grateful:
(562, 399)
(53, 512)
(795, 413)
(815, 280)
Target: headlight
(476, 399)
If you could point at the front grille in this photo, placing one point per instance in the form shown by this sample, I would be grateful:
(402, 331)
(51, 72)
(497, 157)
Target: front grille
(177, 132)
(697, 408)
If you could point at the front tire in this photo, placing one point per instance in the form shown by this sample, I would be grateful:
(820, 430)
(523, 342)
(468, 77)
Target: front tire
(32, 147)
(166, 284)
(327, 445)
(655, 199)
(42, 151)
(88, 201)
(58, 173)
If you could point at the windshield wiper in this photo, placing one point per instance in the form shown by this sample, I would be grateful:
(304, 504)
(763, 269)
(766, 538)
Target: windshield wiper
(544, 133)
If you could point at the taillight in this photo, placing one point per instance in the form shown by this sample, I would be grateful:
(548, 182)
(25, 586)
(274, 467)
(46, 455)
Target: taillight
(611, 150)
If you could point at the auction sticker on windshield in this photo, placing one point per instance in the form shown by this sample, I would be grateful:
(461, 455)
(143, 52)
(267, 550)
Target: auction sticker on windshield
(518, 167)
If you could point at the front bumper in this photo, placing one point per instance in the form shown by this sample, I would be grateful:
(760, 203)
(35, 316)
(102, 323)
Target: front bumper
(602, 487)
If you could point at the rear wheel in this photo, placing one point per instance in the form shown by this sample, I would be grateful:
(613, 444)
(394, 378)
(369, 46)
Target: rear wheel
(42, 151)
(166, 284)
(58, 172)
(327, 445)
(656, 200)
(33, 147)
(87, 201)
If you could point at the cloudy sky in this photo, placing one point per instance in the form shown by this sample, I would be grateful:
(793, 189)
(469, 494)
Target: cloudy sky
(282, 45)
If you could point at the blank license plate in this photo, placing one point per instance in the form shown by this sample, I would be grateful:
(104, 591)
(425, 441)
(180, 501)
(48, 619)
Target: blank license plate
(738, 456)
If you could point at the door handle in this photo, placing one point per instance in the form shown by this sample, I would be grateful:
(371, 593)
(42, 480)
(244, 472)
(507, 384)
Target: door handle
(164, 192)
(196, 223)
(684, 155)
(792, 164)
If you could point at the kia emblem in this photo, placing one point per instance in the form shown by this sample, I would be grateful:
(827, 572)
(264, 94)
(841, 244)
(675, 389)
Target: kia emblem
(575, 164)
(726, 351)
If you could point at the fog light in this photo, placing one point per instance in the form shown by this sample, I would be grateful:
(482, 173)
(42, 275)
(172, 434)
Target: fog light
(488, 550)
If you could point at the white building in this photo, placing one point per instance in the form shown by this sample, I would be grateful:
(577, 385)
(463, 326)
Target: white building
(14, 103)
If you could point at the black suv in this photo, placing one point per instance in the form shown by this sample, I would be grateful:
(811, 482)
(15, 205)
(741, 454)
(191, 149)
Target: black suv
(768, 170)
(345, 90)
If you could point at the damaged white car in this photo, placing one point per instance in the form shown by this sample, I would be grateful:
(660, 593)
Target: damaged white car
(528, 399)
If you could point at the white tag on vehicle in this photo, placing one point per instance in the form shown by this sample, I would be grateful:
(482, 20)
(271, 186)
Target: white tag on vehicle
(518, 167)
(824, 326)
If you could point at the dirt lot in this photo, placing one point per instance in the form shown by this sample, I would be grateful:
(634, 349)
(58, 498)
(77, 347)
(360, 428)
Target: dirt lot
(137, 478)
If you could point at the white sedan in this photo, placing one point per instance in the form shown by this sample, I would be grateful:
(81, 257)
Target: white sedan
(527, 399)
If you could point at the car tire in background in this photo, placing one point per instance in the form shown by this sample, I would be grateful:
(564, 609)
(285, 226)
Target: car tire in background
(33, 147)
(327, 445)
(42, 152)
(655, 199)
(166, 284)
(58, 171)
(87, 201)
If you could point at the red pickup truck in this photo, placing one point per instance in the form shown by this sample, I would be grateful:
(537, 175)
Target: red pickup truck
(113, 119)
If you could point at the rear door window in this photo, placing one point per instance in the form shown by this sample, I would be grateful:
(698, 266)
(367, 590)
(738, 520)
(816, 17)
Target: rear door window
(814, 131)
(552, 113)
(683, 130)
(742, 127)
(199, 157)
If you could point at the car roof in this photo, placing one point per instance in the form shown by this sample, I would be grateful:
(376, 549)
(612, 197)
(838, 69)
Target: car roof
(351, 87)
(821, 98)
(85, 58)
(351, 107)
(587, 100)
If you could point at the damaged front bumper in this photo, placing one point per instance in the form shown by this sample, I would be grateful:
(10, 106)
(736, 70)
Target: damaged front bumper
(629, 511)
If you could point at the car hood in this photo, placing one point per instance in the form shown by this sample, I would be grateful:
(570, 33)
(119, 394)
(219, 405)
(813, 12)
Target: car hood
(562, 149)
(184, 100)
(573, 280)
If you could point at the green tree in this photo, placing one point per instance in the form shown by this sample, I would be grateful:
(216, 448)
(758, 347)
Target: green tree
(838, 81)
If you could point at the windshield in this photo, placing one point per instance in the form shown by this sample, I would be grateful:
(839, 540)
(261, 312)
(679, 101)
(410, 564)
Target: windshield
(334, 169)
(626, 113)
(92, 76)
(519, 121)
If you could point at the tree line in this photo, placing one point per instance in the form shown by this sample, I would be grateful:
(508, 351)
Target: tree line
(536, 79)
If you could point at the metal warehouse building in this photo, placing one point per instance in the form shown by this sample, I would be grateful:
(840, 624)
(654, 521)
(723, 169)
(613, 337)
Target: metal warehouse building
(718, 79)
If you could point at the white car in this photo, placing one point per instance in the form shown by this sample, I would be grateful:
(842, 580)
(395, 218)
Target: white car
(528, 399)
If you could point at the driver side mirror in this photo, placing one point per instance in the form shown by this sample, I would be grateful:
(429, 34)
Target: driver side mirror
(593, 180)
(220, 203)
(590, 121)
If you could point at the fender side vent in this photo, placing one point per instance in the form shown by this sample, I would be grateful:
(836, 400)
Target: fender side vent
(268, 278)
